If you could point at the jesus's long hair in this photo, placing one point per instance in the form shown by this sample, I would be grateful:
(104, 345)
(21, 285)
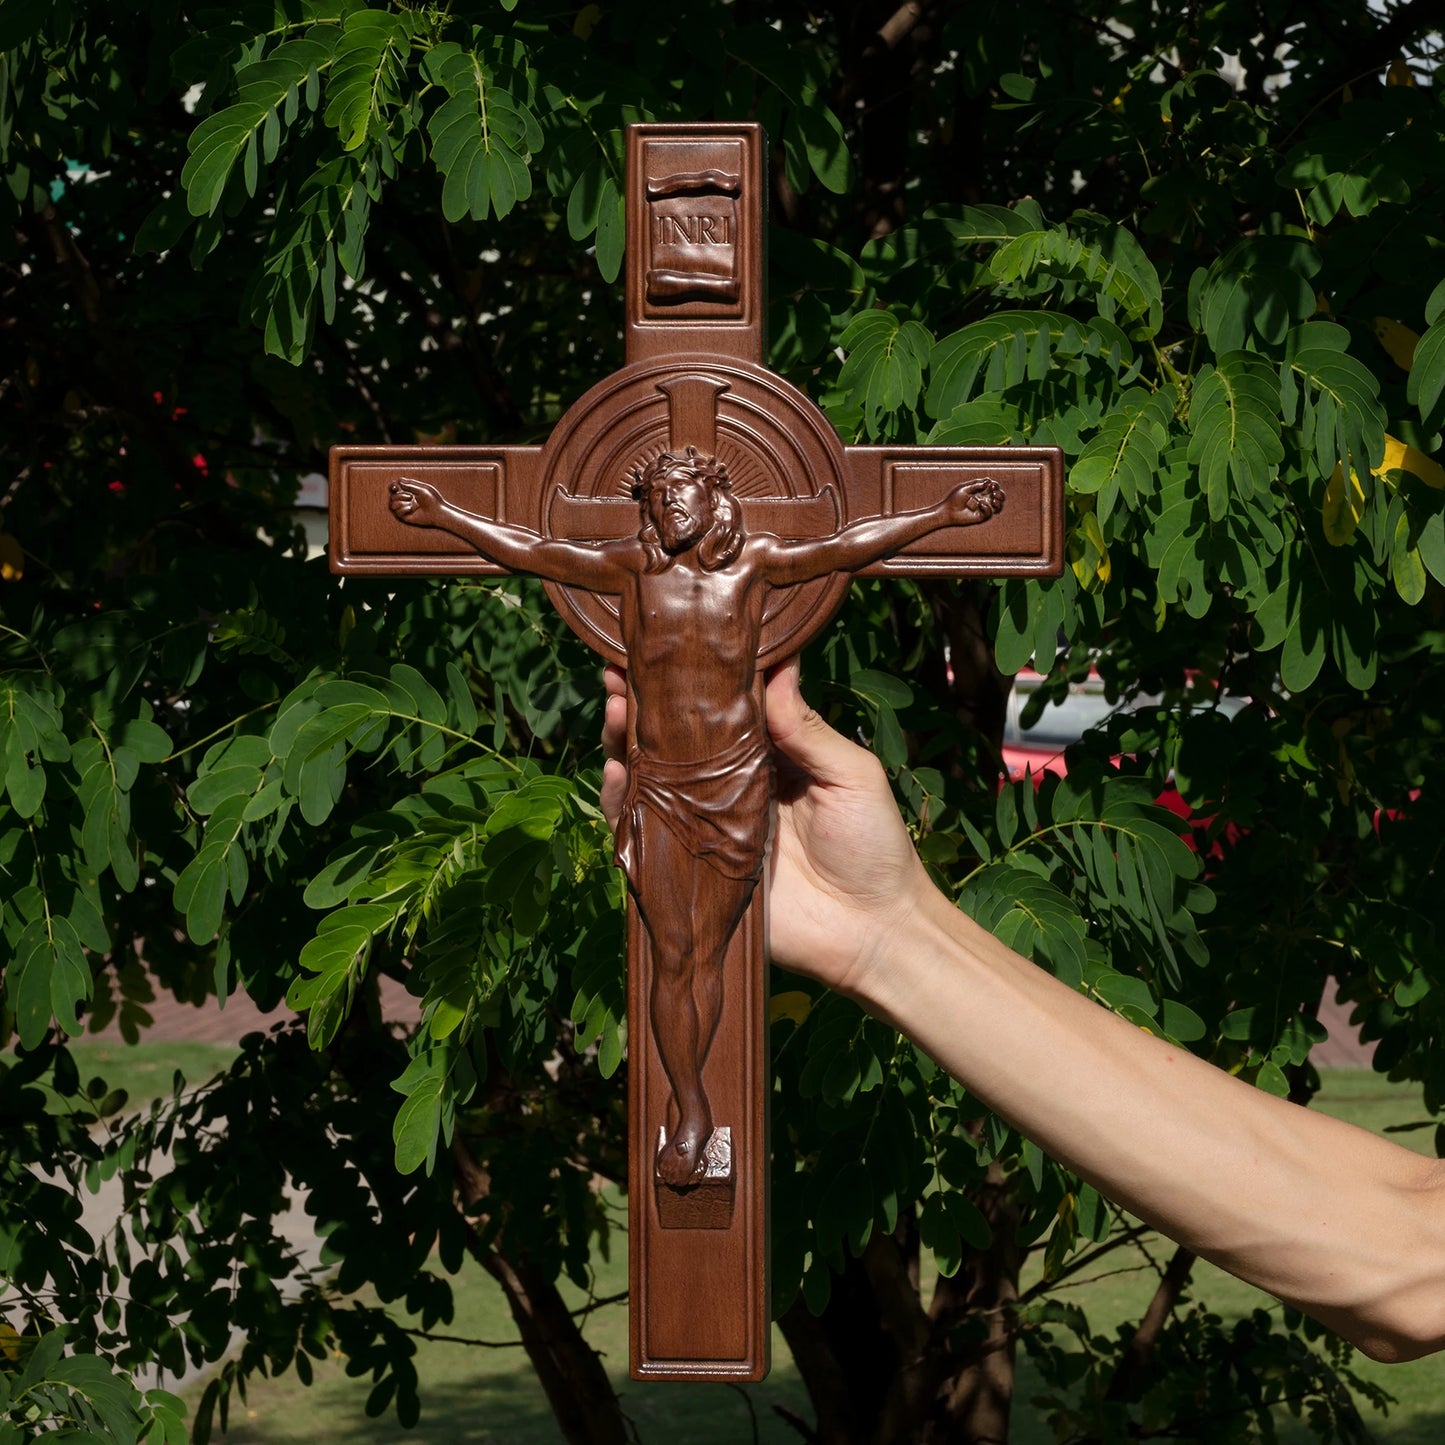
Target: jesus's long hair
(723, 540)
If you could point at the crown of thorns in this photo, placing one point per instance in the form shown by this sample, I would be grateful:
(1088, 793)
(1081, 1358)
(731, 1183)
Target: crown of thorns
(706, 469)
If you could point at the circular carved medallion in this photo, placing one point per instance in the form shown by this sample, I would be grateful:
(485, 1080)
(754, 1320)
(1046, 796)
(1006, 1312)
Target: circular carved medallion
(777, 447)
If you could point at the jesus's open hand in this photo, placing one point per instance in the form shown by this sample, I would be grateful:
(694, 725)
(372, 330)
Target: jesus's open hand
(418, 503)
(972, 502)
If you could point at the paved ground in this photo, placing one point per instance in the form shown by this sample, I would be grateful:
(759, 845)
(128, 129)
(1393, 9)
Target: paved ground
(1343, 1049)
(212, 1024)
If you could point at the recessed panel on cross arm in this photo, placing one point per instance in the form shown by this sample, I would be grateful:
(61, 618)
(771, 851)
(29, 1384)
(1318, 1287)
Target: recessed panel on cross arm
(1026, 538)
(367, 537)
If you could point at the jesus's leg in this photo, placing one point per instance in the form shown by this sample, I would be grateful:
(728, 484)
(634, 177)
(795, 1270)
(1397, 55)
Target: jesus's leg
(718, 906)
(690, 911)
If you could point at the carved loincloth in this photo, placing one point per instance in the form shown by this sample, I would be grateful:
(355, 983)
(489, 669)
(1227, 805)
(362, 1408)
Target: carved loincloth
(717, 808)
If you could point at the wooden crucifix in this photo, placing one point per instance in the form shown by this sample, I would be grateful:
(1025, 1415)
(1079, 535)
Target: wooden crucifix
(695, 518)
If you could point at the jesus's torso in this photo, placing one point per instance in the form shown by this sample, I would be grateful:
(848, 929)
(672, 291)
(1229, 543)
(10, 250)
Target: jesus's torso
(692, 645)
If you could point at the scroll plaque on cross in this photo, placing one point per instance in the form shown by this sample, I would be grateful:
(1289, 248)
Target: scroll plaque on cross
(695, 518)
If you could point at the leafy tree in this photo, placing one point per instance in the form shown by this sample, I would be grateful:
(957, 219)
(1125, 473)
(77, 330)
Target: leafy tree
(234, 236)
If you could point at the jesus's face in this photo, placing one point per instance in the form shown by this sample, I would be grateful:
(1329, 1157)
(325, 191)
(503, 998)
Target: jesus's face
(680, 507)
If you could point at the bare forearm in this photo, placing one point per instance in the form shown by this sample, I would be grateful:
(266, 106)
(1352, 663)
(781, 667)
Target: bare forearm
(1348, 1226)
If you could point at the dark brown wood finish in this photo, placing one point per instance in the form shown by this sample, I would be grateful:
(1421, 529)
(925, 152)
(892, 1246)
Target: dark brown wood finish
(695, 518)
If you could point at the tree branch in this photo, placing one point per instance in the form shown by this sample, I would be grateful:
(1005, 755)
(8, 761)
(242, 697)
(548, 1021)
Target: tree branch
(568, 1368)
(1135, 1362)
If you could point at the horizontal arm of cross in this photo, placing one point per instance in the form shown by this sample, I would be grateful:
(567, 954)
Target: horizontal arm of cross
(501, 483)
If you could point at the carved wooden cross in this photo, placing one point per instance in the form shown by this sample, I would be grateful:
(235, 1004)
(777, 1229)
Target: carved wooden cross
(695, 518)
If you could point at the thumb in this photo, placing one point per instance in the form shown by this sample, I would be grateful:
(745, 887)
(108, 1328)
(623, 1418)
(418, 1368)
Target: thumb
(802, 736)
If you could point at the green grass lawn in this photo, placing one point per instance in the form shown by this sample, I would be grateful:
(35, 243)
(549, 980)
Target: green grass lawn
(473, 1393)
(147, 1071)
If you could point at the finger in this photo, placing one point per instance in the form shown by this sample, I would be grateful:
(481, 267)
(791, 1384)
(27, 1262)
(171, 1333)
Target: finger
(614, 746)
(614, 790)
(804, 738)
(614, 729)
(614, 716)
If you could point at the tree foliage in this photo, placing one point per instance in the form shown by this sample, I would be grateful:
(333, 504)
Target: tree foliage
(234, 236)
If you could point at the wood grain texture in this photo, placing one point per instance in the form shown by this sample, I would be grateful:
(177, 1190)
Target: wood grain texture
(695, 518)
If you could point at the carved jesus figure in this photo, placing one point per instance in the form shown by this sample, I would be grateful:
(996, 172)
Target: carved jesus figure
(693, 589)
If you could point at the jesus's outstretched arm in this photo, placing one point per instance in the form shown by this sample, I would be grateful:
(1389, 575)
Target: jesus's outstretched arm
(966, 505)
(601, 568)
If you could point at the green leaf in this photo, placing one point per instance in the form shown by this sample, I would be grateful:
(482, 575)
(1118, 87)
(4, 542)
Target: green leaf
(335, 882)
(363, 82)
(223, 138)
(1407, 567)
(70, 977)
(463, 710)
(584, 200)
(1305, 645)
(1005, 349)
(986, 422)
(611, 231)
(482, 140)
(327, 225)
(29, 984)
(824, 143)
(164, 227)
(210, 790)
(423, 1115)
(980, 225)
(201, 892)
(884, 369)
(1026, 624)
(1234, 425)
(24, 779)
(1122, 460)
(948, 1221)
(216, 145)
(1094, 251)
(1181, 1023)
(1431, 545)
(322, 779)
(1262, 286)
(1118, 990)
(149, 743)
(1426, 386)
(428, 700)
(1333, 398)
(881, 688)
(418, 1122)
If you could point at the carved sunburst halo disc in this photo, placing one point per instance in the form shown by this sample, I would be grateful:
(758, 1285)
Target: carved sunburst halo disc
(774, 441)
